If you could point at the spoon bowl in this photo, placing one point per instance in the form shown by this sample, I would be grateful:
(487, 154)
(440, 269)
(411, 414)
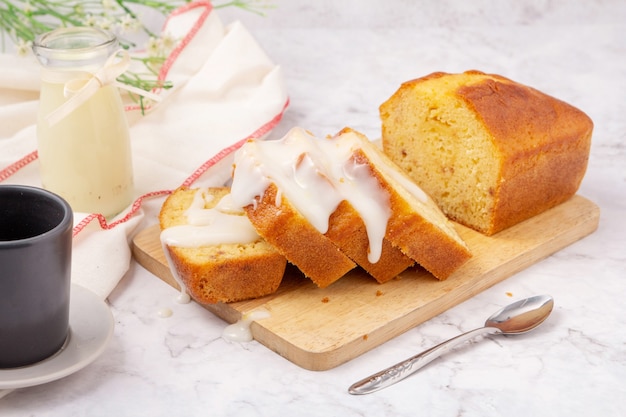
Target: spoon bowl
(516, 318)
(522, 316)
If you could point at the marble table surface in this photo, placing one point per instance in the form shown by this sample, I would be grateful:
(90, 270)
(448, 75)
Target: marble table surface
(341, 60)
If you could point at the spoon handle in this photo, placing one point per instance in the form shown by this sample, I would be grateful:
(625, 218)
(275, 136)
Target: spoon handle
(403, 369)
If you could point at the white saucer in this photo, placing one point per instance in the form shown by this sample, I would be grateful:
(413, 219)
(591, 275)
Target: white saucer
(91, 328)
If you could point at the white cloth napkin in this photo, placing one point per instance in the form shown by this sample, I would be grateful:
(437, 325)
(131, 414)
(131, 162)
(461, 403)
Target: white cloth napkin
(225, 90)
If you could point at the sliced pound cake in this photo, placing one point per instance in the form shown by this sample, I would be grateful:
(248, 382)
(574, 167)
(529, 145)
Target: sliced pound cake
(344, 191)
(214, 252)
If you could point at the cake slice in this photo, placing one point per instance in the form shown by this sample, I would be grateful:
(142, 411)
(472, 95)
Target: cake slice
(214, 252)
(415, 225)
(491, 152)
(284, 227)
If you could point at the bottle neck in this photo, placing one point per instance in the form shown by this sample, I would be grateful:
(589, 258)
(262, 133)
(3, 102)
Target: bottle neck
(75, 49)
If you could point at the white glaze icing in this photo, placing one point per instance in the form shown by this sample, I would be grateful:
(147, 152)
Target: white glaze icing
(316, 175)
(222, 224)
(182, 297)
(240, 330)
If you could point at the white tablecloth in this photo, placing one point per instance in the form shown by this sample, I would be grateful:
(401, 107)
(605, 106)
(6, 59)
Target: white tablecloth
(226, 89)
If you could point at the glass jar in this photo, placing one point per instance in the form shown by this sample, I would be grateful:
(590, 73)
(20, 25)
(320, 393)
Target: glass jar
(85, 154)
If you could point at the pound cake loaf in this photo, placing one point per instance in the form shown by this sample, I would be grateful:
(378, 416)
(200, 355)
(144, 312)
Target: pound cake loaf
(491, 152)
(344, 191)
(214, 252)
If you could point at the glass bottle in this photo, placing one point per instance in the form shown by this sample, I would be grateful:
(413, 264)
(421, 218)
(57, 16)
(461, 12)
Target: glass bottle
(85, 156)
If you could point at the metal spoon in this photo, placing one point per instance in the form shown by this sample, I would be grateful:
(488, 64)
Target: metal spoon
(519, 317)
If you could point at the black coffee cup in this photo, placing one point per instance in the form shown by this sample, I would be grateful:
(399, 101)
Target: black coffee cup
(35, 279)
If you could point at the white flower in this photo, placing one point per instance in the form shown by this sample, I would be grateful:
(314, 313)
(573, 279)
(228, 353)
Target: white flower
(24, 47)
(105, 23)
(89, 20)
(153, 47)
(128, 23)
(168, 41)
(160, 47)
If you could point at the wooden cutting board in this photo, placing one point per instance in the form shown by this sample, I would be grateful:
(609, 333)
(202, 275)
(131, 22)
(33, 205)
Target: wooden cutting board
(319, 329)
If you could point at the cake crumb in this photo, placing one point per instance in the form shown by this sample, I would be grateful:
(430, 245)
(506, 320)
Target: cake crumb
(509, 294)
(325, 300)
(379, 293)
(365, 337)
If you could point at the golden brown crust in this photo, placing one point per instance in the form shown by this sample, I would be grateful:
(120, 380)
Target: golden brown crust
(347, 230)
(293, 236)
(540, 144)
(544, 145)
(424, 242)
(215, 279)
(221, 273)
